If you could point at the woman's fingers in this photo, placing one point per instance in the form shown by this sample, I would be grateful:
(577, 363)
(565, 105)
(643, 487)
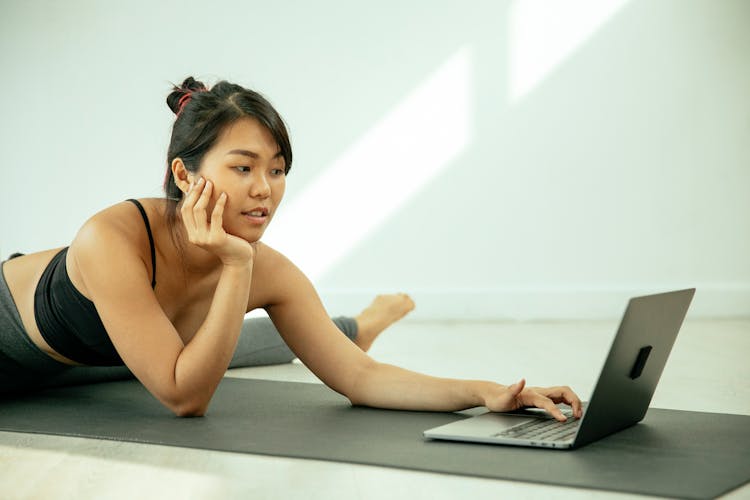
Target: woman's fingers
(186, 210)
(547, 399)
(565, 394)
(199, 209)
(207, 230)
(516, 388)
(194, 212)
(571, 398)
(547, 404)
(193, 195)
(217, 216)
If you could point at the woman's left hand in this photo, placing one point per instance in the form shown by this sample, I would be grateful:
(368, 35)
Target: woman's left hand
(519, 396)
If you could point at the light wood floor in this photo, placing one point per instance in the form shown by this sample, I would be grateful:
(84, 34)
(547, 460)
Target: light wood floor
(707, 371)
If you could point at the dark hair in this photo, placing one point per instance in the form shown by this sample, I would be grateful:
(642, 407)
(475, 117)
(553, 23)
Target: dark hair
(202, 114)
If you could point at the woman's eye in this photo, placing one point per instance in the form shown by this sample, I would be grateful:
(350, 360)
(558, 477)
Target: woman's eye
(277, 171)
(242, 169)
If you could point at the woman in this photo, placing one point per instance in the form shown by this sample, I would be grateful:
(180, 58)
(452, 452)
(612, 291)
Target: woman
(167, 303)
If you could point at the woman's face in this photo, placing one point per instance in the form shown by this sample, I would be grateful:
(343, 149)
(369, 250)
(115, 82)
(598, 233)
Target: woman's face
(246, 163)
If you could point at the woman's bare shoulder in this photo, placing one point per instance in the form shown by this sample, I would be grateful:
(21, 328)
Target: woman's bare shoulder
(120, 216)
(114, 232)
(270, 262)
(121, 220)
(276, 279)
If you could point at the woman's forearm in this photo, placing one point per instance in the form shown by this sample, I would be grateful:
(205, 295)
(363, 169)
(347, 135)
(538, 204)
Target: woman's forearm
(391, 387)
(204, 360)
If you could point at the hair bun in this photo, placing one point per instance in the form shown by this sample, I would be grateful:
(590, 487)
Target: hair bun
(189, 85)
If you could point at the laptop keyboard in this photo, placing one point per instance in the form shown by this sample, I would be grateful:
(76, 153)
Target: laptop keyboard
(543, 430)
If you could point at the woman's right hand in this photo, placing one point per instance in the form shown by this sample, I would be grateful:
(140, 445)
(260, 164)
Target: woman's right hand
(208, 233)
(501, 398)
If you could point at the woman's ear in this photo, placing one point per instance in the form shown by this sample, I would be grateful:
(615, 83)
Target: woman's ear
(182, 177)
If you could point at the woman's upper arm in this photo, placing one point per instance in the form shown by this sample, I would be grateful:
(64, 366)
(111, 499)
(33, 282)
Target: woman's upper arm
(118, 283)
(310, 333)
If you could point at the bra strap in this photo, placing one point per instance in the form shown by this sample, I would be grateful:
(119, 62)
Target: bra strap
(150, 239)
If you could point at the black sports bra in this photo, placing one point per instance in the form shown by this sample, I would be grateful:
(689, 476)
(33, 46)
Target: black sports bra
(68, 321)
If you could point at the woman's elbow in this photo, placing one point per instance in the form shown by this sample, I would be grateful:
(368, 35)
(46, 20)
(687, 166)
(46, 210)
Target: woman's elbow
(189, 413)
(186, 406)
(188, 409)
(357, 390)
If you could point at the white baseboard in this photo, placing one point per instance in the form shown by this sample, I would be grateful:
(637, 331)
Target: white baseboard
(524, 304)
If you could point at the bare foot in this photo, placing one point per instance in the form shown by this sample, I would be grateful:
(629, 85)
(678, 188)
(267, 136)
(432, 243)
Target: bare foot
(379, 315)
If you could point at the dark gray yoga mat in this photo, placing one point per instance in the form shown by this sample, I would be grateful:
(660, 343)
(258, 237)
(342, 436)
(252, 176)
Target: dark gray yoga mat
(671, 453)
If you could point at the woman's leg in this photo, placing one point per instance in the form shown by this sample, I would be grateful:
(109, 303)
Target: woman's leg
(78, 375)
(261, 344)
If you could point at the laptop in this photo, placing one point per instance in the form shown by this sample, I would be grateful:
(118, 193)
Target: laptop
(621, 396)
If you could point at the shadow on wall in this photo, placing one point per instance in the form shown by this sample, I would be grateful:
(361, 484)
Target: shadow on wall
(425, 132)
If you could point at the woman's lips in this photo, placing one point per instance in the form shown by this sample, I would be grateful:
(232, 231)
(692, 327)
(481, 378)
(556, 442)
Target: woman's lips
(257, 216)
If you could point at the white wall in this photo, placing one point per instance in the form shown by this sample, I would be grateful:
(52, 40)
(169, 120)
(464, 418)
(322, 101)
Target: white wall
(494, 159)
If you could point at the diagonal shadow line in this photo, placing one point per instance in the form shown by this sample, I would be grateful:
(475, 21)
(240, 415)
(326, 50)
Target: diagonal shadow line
(297, 224)
(542, 37)
(393, 160)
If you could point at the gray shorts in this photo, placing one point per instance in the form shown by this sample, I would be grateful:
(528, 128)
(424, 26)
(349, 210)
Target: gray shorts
(24, 367)
(22, 364)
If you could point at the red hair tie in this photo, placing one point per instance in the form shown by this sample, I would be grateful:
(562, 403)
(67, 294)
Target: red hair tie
(183, 101)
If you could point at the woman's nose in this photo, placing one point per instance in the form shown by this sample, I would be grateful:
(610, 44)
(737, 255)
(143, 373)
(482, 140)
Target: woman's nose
(260, 188)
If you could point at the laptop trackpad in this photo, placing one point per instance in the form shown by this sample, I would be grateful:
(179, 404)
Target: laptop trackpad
(540, 413)
(484, 425)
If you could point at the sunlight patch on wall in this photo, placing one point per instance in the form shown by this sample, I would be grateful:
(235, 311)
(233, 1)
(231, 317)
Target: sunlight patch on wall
(543, 33)
(379, 172)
